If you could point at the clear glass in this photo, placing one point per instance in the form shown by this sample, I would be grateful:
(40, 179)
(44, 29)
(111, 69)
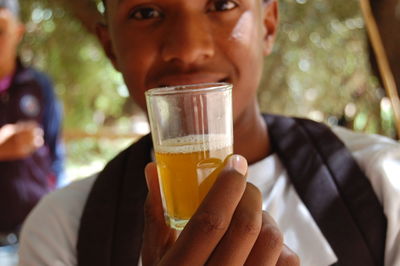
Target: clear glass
(192, 133)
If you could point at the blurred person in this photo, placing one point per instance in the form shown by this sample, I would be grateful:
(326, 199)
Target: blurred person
(31, 152)
(329, 194)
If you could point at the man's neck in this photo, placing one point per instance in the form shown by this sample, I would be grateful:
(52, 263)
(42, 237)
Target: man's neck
(251, 136)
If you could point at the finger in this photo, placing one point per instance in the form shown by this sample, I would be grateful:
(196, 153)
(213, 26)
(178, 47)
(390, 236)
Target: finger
(210, 222)
(26, 126)
(38, 140)
(29, 140)
(30, 132)
(23, 143)
(269, 243)
(153, 207)
(288, 258)
(157, 236)
(6, 132)
(38, 131)
(236, 245)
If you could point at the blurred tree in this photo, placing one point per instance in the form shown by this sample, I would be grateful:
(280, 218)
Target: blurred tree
(320, 67)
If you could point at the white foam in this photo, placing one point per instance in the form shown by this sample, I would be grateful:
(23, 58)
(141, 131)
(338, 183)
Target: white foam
(195, 143)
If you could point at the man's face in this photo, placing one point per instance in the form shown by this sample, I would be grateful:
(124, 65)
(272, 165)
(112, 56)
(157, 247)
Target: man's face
(11, 32)
(174, 42)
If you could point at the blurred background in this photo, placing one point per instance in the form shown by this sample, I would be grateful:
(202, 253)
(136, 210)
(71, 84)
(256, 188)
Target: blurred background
(322, 67)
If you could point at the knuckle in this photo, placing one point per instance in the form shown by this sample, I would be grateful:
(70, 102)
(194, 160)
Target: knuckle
(248, 221)
(293, 259)
(254, 190)
(271, 236)
(247, 224)
(209, 222)
(288, 259)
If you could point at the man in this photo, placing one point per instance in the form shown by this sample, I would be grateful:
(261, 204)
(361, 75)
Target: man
(31, 159)
(306, 176)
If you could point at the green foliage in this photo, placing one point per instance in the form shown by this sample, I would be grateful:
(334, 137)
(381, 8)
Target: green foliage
(85, 80)
(320, 65)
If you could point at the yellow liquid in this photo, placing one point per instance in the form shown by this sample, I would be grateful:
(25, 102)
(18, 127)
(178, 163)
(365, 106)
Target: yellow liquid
(187, 171)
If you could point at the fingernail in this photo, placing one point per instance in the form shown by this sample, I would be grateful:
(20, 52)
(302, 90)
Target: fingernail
(238, 163)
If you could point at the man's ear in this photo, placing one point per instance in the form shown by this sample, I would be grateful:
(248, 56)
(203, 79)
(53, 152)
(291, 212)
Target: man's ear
(271, 17)
(104, 37)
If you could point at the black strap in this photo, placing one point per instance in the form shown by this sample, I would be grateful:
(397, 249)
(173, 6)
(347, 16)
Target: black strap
(333, 187)
(112, 222)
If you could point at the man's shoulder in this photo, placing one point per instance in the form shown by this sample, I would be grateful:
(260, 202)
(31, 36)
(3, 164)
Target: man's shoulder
(50, 232)
(372, 152)
(362, 142)
(71, 196)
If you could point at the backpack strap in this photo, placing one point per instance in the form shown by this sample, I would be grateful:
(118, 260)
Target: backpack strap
(112, 222)
(333, 187)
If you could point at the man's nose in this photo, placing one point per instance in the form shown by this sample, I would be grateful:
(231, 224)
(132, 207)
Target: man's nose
(189, 40)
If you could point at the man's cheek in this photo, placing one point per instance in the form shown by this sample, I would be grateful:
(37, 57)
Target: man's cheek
(243, 30)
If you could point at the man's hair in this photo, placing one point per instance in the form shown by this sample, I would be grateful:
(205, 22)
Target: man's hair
(12, 5)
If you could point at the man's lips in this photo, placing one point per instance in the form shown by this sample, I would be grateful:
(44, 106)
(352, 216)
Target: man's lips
(188, 79)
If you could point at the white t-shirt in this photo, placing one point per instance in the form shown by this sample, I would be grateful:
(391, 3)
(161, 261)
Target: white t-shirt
(49, 235)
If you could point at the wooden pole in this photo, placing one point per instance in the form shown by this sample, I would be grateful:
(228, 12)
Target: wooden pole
(381, 58)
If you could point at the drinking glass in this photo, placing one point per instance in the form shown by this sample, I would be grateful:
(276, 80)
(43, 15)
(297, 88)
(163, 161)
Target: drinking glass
(192, 134)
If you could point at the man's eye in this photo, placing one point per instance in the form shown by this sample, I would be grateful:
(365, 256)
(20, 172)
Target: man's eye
(222, 5)
(143, 13)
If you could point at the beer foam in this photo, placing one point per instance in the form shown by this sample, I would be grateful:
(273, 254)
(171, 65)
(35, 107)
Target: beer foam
(195, 143)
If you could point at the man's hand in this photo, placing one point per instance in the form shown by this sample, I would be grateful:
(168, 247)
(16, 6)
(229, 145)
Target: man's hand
(229, 228)
(19, 140)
